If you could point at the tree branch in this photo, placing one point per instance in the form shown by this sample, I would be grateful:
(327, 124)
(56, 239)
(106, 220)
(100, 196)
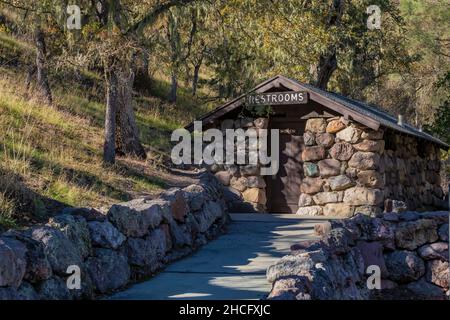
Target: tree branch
(154, 14)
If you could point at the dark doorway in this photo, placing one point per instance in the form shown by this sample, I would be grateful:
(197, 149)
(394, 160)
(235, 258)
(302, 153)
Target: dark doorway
(283, 189)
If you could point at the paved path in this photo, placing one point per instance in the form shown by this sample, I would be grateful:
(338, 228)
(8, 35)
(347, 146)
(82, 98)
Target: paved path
(231, 267)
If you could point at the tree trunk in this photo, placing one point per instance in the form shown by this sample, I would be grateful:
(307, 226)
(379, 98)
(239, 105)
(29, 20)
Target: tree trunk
(195, 79)
(173, 89)
(327, 65)
(127, 135)
(30, 73)
(328, 61)
(109, 148)
(41, 68)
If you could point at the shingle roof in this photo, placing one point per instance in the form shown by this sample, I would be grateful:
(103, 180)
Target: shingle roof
(384, 118)
(359, 107)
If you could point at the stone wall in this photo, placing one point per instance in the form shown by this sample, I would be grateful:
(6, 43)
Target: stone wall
(347, 169)
(342, 170)
(246, 188)
(410, 249)
(412, 172)
(133, 240)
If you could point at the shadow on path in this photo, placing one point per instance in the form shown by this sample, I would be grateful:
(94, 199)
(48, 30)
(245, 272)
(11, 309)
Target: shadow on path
(231, 267)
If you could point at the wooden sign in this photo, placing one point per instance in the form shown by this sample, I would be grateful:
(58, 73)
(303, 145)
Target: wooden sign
(277, 98)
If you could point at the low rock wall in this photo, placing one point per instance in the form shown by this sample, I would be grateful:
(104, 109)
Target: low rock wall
(132, 241)
(410, 249)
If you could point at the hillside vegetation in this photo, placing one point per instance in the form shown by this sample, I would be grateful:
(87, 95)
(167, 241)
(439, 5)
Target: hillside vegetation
(51, 156)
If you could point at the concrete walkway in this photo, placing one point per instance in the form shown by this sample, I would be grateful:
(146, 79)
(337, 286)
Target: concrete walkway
(231, 267)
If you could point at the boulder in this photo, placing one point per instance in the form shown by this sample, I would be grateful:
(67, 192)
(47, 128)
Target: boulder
(437, 250)
(377, 229)
(370, 179)
(291, 288)
(211, 212)
(311, 185)
(60, 251)
(305, 200)
(328, 197)
(370, 146)
(438, 273)
(310, 211)
(335, 126)
(291, 266)
(316, 125)
(422, 290)
(340, 182)
(329, 167)
(404, 266)
(196, 196)
(135, 218)
(411, 235)
(54, 288)
(309, 138)
(310, 169)
(75, 228)
(255, 182)
(313, 153)
(181, 235)
(349, 134)
(255, 195)
(147, 252)
(372, 253)
(224, 177)
(179, 207)
(12, 262)
(108, 269)
(338, 241)
(239, 183)
(325, 139)
(339, 210)
(38, 267)
(342, 151)
(104, 234)
(362, 196)
(443, 232)
(364, 160)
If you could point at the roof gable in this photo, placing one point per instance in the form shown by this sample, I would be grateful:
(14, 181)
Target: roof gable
(358, 111)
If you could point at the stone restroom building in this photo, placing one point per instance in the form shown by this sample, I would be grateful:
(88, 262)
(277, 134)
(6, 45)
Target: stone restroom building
(338, 156)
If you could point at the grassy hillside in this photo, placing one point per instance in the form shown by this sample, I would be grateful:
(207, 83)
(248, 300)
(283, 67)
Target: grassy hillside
(51, 156)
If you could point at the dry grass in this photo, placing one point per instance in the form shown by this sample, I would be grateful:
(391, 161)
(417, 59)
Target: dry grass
(51, 156)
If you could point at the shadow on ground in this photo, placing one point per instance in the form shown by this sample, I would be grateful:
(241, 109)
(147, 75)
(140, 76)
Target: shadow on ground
(232, 267)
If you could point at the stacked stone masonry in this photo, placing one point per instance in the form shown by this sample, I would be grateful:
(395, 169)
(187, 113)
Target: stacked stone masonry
(243, 181)
(347, 169)
(133, 240)
(409, 248)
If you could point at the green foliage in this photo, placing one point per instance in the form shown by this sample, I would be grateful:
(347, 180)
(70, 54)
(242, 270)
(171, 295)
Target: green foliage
(441, 125)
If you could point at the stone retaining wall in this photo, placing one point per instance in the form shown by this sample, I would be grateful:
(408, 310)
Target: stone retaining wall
(411, 250)
(133, 240)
